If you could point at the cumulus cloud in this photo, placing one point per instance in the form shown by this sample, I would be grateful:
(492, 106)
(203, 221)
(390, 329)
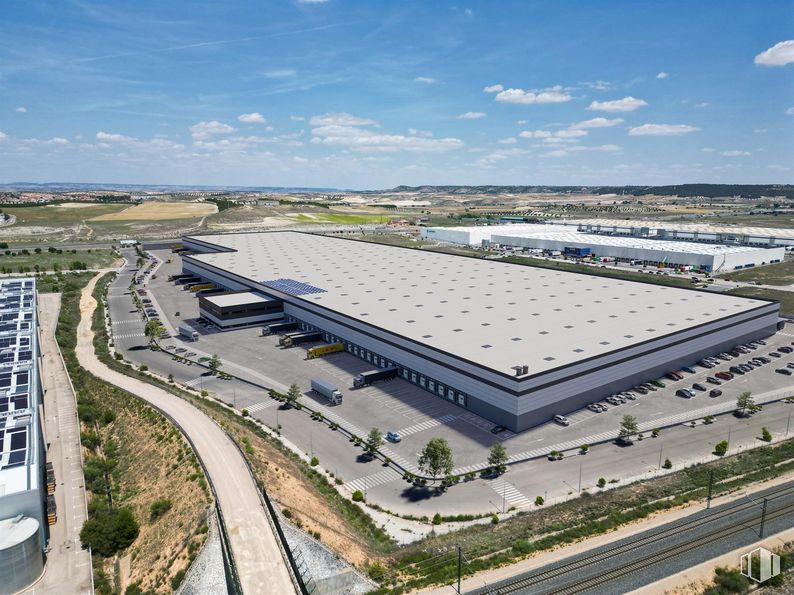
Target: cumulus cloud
(662, 130)
(21, 109)
(597, 123)
(3, 135)
(252, 118)
(340, 119)
(535, 134)
(597, 85)
(427, 80)
(297, 118)
(56, 140)
(204, 130)
(735, 153)
(627, 104)
(280, 73)
(471, 116)
(522, 97)
(779, 54)
(702, 104)
(507, 141)
(493, 89)
(111, 137)
(662, 75)
(790, 111)
(352, 132)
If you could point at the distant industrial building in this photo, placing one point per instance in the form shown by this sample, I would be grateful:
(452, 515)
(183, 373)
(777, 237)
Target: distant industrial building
(645, 248)
(514, 344)
(23, 481)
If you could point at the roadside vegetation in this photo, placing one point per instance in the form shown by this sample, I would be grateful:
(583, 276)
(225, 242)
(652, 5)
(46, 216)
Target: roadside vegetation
(730, 581)
(148, 497)
(786, 298)
(771, 274)
(52, 258)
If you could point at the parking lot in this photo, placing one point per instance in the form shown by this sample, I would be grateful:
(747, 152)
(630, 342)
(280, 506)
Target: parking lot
(399, 406)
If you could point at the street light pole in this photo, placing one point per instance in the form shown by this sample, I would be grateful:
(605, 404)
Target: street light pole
(788, 423)
(580, 477)
(661, 446)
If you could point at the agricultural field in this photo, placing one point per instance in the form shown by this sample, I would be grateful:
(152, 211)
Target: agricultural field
(772, 274)
(160, 211)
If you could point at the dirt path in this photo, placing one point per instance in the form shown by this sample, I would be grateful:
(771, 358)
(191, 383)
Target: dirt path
(255, 548)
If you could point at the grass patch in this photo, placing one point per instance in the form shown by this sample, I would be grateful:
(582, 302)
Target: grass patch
(62, 214)
(772, 274)
(28, 261)
(342, 218)
(786, 298)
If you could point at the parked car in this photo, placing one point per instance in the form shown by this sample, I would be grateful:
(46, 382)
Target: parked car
(725, 357)
(784, 371)
(713, 380)
(775, 354)
(629, 396)
(790, 365)
(658, 383)
(648, 386)
(640, 389)
(706, 364)
(736, 370)
(688, 369)
(562, 420)
(760, 342)
(715, 392)
(785, 349)
(613, 400)
(684, 392)
(700, 387)
(724, 375)
(498, 429)
(596, 407)
(393, 437)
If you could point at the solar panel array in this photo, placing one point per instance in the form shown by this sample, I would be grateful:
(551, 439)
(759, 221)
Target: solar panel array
(17, 373)
(292, 287)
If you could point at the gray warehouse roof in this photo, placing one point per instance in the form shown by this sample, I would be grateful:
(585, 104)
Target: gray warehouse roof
(496, 314)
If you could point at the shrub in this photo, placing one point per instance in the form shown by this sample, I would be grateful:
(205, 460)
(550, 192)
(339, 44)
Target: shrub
(314, 462)
(177, 579)
(721, 448)
(584, 448)
(539, 501)
(287, 513)
(667, 464)
(495, 519)
(245, 413)
(522, 546)
(766, 436)
(109, 532)
(601, 482)
(358, 496)
(159, 508)
(437, 519)
(376, 572)
(119, 357)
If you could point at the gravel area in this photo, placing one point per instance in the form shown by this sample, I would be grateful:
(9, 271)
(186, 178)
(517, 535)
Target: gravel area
(206, 575)
(332, 575)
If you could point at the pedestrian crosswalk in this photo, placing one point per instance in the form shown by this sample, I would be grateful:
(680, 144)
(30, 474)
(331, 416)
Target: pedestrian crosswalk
(426, 425)
(376, 479)
(511, 495)
(340, 421)
(261, 406)
(402, 462)
(129, 321)
(128, 335)
(194, 383)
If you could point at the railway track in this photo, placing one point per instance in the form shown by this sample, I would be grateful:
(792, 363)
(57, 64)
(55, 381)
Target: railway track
(780, 502)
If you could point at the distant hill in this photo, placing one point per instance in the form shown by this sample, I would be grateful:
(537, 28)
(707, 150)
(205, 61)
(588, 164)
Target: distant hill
(706, 190)
(79, 186)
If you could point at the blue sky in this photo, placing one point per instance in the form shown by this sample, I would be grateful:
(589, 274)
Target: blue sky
(370, 94)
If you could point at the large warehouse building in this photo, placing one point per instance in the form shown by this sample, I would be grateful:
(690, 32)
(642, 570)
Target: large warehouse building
(23, 484)
(514, 344)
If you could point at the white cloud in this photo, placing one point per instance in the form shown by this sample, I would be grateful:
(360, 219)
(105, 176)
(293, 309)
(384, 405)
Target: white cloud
(110, 137)
(3, 135)
(597, 123)
(570, 133)
(597, 85)
(790, 111)
(297, 118)
(203, 130)
(522, 97)
(702, 104)
(252, 118)
(662, 75)
(280, 73)
(535, 134)
(779, 54)
(21, 109)
(471, 116)
(735, 153)
(493, 89)
(425, 79)
(706, 150)
(627, 104)
(416, 132)
(340, 119)
(507, 141)
(555, 153)
(662, 130)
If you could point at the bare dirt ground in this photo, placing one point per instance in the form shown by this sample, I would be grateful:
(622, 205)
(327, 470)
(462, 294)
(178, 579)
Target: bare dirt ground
(160, 211)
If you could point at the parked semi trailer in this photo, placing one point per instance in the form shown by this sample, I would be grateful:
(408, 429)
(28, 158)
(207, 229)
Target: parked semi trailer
(296, 338)
(321, 350)
(278, 327)
(200, 286)
(367, 378)
(328, 390)
(188, 332)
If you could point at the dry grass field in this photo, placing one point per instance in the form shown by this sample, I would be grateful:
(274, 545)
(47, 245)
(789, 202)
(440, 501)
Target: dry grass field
(160, 211)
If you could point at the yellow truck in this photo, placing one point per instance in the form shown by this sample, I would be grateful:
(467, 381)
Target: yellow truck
(195, 288)
(321, 350)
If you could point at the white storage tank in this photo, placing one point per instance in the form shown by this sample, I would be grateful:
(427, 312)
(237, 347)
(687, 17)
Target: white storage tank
(21, 557)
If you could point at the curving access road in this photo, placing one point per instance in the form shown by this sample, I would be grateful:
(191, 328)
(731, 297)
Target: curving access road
(258, 558)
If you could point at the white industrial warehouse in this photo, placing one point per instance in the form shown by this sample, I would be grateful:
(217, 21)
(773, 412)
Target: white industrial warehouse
(631, 247)
(514, 344)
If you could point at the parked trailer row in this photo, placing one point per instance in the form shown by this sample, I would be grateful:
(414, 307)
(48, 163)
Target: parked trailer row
(367, 378)
(278, 327)
(297, 338)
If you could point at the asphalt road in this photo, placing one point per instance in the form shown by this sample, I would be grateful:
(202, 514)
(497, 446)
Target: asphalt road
(255, 548)
(655, 554)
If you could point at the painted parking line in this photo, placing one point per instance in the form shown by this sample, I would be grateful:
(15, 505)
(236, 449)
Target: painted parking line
(128, 335)
(261, 406)
(401, 461)
(376, 479)
(509, 492)
(426, 425)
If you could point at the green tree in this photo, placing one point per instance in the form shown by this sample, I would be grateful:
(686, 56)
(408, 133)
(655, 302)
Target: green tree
(374, 441)
(721, 448)
(745, 403)
(497, 458)
(628, 428)
(766, 435)
(293, 394)
(152, 330)
(109, 531)
(215, 363)
(436, 458)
